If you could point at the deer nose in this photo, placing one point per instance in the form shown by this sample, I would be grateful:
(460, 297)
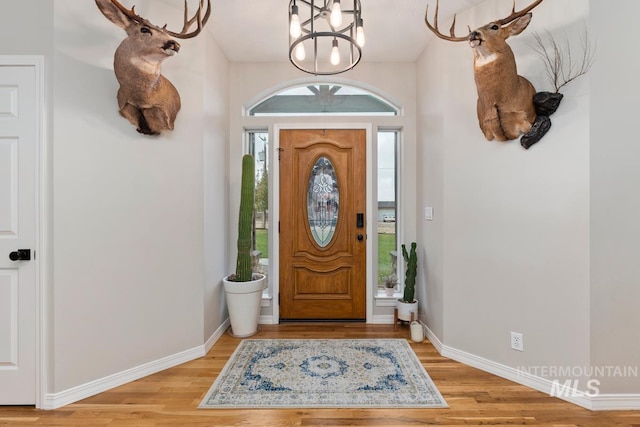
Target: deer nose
(173, 45)
(474, 35)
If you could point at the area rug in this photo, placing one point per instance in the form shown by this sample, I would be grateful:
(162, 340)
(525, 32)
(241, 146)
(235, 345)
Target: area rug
(341, 373)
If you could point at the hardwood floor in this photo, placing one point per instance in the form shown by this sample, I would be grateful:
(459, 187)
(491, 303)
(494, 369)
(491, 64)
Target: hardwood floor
(171, 397)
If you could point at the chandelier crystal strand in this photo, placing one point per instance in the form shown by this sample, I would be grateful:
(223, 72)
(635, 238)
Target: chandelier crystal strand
(325, 36)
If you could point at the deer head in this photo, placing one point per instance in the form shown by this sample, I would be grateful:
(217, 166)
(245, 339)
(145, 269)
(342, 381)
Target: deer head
(505, 99)
(146, 98)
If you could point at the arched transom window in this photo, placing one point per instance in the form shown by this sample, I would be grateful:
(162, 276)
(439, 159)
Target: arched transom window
(323, 99)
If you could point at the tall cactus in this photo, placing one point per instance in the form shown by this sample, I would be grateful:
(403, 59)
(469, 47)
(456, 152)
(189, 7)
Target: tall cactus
(245, 220)
(411, 260)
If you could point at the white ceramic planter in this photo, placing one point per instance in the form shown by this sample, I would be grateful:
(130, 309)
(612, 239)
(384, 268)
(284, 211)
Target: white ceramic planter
(243, 300)
(417, 333)
(405, 310)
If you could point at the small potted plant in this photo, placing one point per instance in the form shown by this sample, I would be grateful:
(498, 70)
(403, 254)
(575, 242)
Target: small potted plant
(408, 304)
(244, 288)
(390, 285)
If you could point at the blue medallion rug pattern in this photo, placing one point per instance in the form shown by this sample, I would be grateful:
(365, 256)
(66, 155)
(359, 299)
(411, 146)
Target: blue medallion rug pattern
(340, 373)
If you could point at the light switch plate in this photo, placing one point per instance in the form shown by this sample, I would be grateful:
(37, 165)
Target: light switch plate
(428, 213)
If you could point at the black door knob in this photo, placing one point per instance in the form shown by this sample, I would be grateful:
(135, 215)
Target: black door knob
(360, 237)
(20, 255)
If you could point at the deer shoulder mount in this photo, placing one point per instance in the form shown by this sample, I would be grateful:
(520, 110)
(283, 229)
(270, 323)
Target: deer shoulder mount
(505, 100)
(146, 98)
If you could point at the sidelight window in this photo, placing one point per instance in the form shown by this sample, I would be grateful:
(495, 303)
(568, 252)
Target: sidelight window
(258, 146)
(387, 209)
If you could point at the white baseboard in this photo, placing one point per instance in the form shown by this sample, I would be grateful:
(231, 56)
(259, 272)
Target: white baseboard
(615, 402)
(433, 339)
(266, 319)
(382, 319)
(66, 397)
(600, 402)
(216, 335)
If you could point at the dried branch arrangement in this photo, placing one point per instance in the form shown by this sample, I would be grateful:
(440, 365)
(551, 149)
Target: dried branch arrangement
(562, 67)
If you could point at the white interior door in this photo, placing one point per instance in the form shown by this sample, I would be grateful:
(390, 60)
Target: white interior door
(18, 160)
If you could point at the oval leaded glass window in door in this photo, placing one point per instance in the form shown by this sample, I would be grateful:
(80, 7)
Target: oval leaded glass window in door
(323, 199)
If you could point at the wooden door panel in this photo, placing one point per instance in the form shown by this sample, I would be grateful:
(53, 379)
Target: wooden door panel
(311, 284)
(327, 279)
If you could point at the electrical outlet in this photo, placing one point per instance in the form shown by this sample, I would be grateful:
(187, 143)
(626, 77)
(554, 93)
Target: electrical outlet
(517, 341)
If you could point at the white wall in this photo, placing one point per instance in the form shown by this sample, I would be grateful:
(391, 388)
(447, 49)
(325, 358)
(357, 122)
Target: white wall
(430, 153)
(129, 210)
(509, 247)
(615, 205)
(136, 224)
(216, 186)
(542, 242)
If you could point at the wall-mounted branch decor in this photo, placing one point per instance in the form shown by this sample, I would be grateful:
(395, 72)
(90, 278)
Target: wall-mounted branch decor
(505, 107)
(146, 98)
(562, 67)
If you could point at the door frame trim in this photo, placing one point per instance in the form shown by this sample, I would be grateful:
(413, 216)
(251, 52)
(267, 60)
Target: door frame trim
(274, 202)
(41, 214)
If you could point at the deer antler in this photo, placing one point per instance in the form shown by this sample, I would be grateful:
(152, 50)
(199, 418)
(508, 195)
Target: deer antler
(189, 22)
(515, 15)
(434, 28)
(130, 13)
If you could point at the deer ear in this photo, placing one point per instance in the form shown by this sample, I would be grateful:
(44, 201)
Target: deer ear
(113, 14)
(518, 26)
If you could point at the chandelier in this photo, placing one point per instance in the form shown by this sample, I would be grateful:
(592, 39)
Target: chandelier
(324, 38)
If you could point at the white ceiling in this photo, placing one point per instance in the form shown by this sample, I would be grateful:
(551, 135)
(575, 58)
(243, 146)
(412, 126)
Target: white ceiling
(257, 30)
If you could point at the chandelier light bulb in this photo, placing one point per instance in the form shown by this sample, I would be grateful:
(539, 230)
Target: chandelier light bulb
(335, 53)
(294, 27)
(336, 14)
(300, 52)
(360, 39)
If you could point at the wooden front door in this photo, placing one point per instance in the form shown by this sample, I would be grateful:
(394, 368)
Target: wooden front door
(322, 224)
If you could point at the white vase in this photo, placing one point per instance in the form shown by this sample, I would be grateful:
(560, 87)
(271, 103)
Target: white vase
(244, 300)
(417, 333)
(405, 310)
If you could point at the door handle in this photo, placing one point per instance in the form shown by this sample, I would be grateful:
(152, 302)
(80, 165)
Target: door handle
(20, 255)
(360, 237)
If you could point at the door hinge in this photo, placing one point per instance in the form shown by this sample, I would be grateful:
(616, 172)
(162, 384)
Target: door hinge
(278, 299)
(280, 150)
(278, 227)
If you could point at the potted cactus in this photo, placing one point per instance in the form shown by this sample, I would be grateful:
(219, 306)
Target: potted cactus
(408, 304)
(244, 288)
